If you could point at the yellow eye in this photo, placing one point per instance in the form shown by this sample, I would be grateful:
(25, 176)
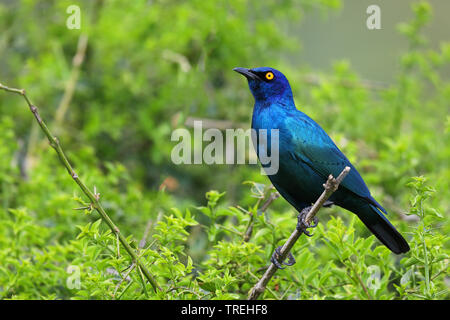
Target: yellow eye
(269, 75)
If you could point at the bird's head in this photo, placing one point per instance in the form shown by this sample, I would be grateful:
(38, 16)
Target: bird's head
(267, 84)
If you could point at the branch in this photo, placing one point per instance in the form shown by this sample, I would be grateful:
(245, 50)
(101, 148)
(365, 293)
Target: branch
(249, 230)
(93, 197)
(317, 80)
(214, 123)
(63, 105)
(330, 186)
(273, 196)
(77, 61)
(73, 79)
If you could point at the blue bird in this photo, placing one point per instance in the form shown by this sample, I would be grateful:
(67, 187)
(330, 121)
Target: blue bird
(307, 156)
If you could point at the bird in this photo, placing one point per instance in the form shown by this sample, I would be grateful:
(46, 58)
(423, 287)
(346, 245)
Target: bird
(307, 156)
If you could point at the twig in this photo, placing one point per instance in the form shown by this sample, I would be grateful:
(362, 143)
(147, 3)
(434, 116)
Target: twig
(214, 123)
(143, 241)
(317, 80)
(249, 230)
(330, 186)
(124, 278)
(69, 90)
(77, 61)
(73, 79)
(273, 196)
(93, 196)
(64, 104)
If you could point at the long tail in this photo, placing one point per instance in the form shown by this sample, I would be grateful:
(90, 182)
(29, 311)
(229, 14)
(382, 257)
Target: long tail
(380, 226)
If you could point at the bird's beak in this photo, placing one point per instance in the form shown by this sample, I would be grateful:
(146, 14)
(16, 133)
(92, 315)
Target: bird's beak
(247, 73)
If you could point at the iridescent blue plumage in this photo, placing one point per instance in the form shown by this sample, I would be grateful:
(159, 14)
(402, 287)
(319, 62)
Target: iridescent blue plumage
(308, 155)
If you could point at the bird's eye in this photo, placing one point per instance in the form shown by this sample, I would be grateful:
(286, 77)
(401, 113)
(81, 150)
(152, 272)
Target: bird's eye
(269, 75)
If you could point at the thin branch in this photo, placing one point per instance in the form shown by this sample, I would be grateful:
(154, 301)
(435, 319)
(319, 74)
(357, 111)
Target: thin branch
(64, 104)
(77, 61)
(317, 80)
(272, 197)
(330, 186)
(359, 280)
(93, 196)
(73, 79)
(143, 241)
(214, 123)
(124, 278)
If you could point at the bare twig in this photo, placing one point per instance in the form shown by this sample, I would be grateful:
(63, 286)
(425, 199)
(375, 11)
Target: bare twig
(77, 61)
(249, 230)
(124, 278)
(359, 280)
(63, 106)
(143, 241)
(273, 196)
(69, 90)
(73, 79)
(93, 196)
(330, 186)
(317, 80)
(214, 123)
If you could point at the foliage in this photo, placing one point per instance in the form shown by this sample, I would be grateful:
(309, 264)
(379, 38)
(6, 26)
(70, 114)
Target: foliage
(144, 74)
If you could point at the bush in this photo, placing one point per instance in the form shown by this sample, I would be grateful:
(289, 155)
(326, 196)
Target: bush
(165, 62)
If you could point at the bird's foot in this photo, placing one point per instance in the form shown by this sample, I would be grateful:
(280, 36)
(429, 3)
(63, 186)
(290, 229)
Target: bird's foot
(276, 256)
(302, 226)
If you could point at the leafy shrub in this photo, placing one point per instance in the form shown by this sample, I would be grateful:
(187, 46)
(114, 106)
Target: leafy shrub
(142, 80)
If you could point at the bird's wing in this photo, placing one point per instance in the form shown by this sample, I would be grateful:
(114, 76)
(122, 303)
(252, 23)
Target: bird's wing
(312, 145)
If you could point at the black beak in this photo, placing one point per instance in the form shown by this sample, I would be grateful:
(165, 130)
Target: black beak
(247, 73)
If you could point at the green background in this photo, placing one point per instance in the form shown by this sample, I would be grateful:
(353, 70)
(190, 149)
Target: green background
(150, 67)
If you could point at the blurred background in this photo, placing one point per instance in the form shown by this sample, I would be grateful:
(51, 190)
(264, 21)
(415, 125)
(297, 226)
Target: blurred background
(115, 89)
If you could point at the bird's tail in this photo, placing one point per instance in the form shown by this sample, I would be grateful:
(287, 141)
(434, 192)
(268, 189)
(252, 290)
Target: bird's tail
(380, 226)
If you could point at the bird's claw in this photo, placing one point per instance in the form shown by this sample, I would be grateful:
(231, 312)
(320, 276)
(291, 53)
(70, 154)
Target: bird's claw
(277, 254)
(302, 226)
